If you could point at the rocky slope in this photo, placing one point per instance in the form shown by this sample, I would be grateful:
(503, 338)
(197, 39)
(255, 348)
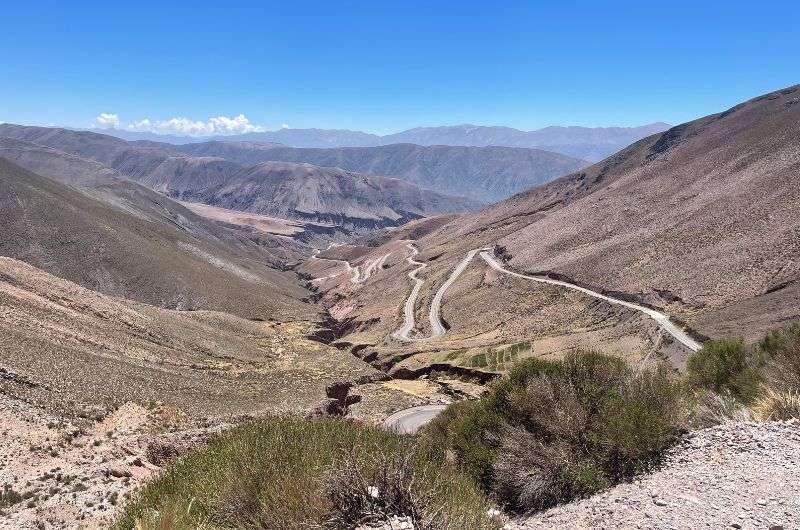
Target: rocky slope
(64, 345)
(141, 245)
(486, 174)
(312, 193)
(99, 393)
(736, 475)
(700, 221)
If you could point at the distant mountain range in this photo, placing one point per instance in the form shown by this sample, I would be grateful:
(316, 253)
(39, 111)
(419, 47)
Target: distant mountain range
(485, 174)
(287, 190)
(588, 143)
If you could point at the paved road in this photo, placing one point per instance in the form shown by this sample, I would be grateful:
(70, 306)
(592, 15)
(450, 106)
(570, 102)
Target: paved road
(662, 319)
(408, 421)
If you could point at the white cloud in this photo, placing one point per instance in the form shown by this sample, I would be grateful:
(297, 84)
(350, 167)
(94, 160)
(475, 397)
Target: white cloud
(284, 125)
(220, 125)
(107, 120)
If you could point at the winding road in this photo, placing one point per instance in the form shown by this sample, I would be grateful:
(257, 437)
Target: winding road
(660, 318)
(437, 324)
(435, 314)
(403, 333)
(408, 421)
(356, 274)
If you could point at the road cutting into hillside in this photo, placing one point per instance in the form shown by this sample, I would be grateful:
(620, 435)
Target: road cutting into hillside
(660, 318)
(354, 272)
(357, 275)
(438, 327)
(434, 314)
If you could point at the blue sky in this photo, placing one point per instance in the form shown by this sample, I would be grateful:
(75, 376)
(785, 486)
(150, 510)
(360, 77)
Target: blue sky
(383, 67)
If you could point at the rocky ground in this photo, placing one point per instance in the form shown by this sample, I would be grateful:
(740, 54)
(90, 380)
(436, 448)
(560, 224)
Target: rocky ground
(56, 473)
(736, 475)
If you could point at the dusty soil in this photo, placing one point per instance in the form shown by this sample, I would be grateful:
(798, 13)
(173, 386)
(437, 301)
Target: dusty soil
(736, 475)
(64, 345)
(493, 319)
(57, 473)
(264, 223)
(97, 392)
(700, 221)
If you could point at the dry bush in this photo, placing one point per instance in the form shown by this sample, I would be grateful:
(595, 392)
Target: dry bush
(727, 367)
(777, 405)
(537, 475)
(171, 516)
(554, 431)
(782, 347)
(375, 489)
(713, 409)
(280, 473)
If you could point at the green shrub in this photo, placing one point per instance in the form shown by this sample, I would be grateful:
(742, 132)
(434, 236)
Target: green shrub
(726, 366)
(781, 349)
(553, 431)
(281, 473)
(464, 433)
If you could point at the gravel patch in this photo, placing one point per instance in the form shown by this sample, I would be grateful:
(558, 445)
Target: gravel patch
(735, 475)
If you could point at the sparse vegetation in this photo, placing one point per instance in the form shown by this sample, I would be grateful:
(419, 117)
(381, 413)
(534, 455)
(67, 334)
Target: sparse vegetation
(554, 431)
(726, 367)
(499, 359)
(548, 432)
(292, 473)
(8, 496)
(731, 380)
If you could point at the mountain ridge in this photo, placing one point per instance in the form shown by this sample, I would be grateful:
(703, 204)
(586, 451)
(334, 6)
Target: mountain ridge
(197, 178)
(591, 143)
(486, 174)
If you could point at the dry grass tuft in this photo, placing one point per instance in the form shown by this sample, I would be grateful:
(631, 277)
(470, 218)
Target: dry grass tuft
(777, 405)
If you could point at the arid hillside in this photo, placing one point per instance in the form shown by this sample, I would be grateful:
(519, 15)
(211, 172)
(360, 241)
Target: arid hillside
(58, 335)
(701, 219)
(143, 246)
(699, 222)
(485, 174)
(319, 194)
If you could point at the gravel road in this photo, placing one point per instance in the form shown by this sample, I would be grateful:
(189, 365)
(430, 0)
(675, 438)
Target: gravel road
(736, 475)
(662, 319)
(408, 310)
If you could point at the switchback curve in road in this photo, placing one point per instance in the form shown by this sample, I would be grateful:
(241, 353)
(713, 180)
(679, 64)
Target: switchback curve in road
(434, 314)
(408, 309)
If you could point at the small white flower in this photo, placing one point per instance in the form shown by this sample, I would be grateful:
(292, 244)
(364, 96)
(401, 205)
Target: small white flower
(373, 491)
